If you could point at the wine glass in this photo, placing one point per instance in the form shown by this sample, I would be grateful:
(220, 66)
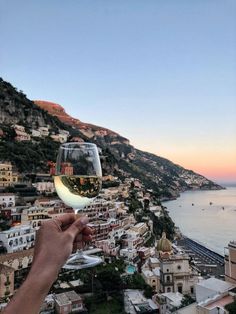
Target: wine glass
(78, 180)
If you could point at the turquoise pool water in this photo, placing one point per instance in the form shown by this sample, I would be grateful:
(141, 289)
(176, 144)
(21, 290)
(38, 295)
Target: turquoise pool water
(130, 269)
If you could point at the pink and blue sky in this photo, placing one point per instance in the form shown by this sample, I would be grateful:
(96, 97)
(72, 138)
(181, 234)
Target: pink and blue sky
(160, 72)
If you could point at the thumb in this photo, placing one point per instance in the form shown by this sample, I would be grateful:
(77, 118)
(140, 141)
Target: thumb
(77, 226)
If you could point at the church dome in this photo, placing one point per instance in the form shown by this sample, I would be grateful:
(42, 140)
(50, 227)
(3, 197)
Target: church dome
(164, 245)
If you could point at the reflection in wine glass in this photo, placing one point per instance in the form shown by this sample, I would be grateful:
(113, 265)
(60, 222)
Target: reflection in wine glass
(78, 180)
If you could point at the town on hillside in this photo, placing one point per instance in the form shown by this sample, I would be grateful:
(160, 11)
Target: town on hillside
(148, 265)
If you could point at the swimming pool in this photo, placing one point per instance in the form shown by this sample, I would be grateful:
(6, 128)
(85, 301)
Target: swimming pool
(130, 269)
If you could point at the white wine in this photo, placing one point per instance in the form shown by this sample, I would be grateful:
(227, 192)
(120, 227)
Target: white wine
(77, 191)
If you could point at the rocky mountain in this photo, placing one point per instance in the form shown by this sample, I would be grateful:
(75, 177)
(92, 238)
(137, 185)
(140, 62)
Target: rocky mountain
(119, 158)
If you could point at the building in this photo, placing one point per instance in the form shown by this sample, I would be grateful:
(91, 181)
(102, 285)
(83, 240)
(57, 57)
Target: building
(135, 302)
(7, 177)
(129, 254)
(66, 168)
(68, 302)
(35, 133)
(152, 278)
(18, 260)
(108, 246)
(176, 274)
(168, 302)
(45, 187)
(61, 138)
(7, 200)
(33, 216)
(18, 238)
(132, 240)
(230, 262)
(44, 131)
(21, 135)
(98, 208)
(141, 228)
(101, 229)
(215, 305)
(210, 288)
(6, 282)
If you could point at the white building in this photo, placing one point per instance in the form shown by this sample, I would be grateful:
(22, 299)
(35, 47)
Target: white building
(21, 135)
(168, 302)
(34, 216)
(152, 278)
(177, 275)
(35, 133)
(7, 200)
(129, 254)
(18, 238)
(44, 187)
(133, 239)
(141, 228)
(211, 287)
(135, 302)
(61, 138)
(44, 131)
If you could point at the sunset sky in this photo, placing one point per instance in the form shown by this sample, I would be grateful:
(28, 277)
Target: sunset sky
(159, 72)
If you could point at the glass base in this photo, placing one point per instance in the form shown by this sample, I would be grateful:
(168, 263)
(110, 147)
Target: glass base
(80, 261)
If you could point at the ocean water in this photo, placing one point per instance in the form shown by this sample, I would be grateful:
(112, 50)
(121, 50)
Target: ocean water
(213, 225)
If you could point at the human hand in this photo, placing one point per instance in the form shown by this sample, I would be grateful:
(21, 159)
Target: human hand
(55, 241)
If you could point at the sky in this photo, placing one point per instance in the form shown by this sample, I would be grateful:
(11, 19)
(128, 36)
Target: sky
(160, 72)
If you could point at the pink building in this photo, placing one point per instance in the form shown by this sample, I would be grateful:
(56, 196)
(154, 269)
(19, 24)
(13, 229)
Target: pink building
(68, 302)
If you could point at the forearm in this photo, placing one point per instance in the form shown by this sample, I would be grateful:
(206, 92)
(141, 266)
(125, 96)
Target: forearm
(31, 294)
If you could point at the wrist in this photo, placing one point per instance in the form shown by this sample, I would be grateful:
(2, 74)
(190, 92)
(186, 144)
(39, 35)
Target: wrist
(43, 278)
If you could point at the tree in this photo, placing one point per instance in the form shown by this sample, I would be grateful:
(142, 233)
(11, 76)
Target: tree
(187, 299)
(231, 307)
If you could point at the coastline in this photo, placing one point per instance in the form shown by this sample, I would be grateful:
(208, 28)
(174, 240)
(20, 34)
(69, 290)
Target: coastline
(206, 217)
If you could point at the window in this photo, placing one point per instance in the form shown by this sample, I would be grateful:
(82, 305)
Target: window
(192, 290)
(180, 288)
(168, 289)
(167, 270)
(179, 267)
(168, 278)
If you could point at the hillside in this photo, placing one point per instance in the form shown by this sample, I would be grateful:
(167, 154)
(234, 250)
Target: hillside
(119, 158)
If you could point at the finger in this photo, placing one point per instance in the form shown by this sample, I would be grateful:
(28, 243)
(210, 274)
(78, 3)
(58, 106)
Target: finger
(77, 226)
(81, 237)
(66, 219)
(87, 230)
(87, 238)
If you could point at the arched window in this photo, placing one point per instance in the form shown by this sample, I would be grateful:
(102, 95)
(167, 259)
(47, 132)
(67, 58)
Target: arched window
(167, 278)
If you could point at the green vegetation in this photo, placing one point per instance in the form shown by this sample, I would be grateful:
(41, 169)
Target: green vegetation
(187, 300)
(231, 307)
(163, 223)
(136, 281)
(102, 304)
(29, 156)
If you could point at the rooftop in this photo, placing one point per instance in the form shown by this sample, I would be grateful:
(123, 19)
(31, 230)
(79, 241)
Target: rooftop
(217, 285)
(6, 269)
(221, 302)
(62, 299)
(174, 297)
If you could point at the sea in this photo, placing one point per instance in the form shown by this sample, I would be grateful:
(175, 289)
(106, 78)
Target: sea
(208, 217)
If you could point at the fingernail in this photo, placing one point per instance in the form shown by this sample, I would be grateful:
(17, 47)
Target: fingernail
(84, 220)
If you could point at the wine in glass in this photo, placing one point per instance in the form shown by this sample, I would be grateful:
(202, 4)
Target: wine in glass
(78, 180)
